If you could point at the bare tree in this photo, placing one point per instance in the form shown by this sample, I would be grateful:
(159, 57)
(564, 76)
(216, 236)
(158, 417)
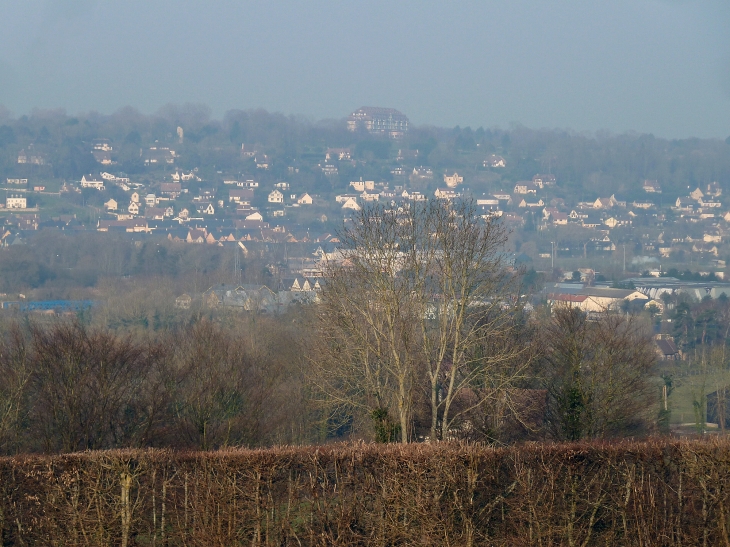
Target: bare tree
(224, 392)
(420, 295)
(15, 369)
(369, 338)
(467, 341)
(92, 389)
(597, 374)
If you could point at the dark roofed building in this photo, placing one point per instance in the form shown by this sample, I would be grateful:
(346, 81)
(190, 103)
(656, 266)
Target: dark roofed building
(667, 350)
(170, 189)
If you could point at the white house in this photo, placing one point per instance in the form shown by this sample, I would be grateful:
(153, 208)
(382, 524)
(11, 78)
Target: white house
(16, 202)
(362, 185)
(89, 181)
(351, 203)
(605, 203)
(445, 193)
(525, 187)
(111, 205)
(206, 208)
(452, 181)
(709, 203)
(305, 199)
(276, 197)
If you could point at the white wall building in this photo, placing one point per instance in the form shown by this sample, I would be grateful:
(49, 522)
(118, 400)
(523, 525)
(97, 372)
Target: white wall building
(16, 202)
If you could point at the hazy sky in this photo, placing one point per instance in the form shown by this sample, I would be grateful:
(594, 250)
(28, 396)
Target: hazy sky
(660, 66)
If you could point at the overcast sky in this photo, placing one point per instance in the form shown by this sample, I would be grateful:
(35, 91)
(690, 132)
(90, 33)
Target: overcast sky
(658, 66)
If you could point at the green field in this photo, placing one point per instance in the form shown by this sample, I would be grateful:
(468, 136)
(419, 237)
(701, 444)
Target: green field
(689, 386)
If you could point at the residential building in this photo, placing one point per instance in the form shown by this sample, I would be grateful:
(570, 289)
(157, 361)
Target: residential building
(490, 201)
(376, 120)
(275, 196)
(652, 187)
(204, 208)
(696, 194)
(605, 203)
(351, 203)
(171, 189)
(542, 180)
(422, 172)
(446, 193)
(452, 181)
(16, 201)
(525, 187)
(90, 181)
(495, 161)
(240, 195)
(159, 155)
(362, 185)
(594, 299)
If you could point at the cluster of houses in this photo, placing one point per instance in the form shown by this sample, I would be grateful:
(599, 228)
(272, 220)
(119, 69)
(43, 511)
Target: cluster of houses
(258, 298)
(207, 211)
(645, 293)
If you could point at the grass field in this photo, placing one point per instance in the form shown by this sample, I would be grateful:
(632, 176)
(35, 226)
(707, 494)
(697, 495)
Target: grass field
(690, 386)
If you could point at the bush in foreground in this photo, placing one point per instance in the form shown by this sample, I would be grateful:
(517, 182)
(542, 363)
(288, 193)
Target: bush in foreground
(629, 493)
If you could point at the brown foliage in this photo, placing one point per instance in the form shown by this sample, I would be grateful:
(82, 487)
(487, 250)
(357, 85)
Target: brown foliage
(596, 372)
(69, 387)
(628, 493)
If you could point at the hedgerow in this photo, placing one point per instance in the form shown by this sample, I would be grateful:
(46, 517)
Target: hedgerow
(656, 492)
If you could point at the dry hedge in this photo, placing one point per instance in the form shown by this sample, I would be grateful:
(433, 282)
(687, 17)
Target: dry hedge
(656, 492)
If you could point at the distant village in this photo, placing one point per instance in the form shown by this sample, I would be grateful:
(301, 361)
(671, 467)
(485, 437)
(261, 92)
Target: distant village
(208, 206)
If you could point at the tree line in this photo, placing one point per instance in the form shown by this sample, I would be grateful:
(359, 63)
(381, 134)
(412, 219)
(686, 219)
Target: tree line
(423, 331)
(598, 164)
(69, 387)
(426, 328)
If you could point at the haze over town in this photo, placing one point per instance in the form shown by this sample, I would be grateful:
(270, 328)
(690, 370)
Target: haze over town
(651, 66)
(365, 273)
